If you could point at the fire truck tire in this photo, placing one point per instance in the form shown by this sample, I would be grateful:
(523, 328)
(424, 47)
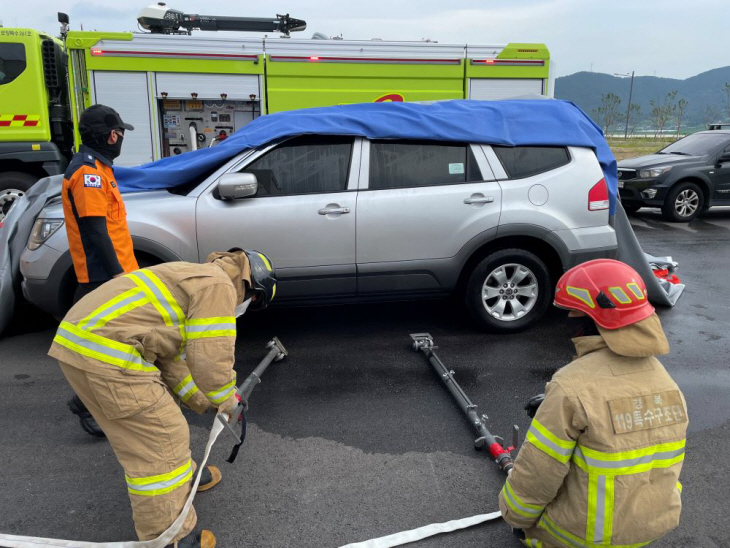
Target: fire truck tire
(13, 184)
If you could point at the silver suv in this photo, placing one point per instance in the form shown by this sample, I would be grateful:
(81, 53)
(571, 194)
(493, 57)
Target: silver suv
(347, 219)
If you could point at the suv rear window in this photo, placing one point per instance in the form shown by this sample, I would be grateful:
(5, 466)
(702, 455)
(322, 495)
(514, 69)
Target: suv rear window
(521, 162)
(12, 62)
(407, 164)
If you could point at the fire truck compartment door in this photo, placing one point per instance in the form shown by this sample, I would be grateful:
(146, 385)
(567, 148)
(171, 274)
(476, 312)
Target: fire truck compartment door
(493, 89)
(236, 87)
(128, 94)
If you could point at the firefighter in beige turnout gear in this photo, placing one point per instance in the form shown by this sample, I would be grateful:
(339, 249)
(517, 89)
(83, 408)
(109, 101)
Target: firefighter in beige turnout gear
(141, 344)
(601, 462)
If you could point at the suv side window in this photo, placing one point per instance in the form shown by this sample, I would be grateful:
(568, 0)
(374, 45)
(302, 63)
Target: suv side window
(12, 62)
(521, 162)
(407, 164)
(304, 165)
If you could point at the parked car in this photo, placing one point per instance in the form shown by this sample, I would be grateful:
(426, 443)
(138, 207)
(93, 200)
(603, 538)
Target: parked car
(347, 219)
(683, 179)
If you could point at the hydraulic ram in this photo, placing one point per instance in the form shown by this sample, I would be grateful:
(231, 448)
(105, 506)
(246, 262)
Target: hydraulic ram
(501, 455)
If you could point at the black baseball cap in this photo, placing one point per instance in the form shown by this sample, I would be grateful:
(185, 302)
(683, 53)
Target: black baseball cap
(101, 119)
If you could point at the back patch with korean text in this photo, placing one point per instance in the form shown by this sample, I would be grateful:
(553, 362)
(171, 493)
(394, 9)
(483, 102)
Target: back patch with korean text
(647, 411)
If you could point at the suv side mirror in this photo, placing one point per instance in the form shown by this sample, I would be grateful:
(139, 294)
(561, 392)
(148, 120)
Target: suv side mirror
(234, 186)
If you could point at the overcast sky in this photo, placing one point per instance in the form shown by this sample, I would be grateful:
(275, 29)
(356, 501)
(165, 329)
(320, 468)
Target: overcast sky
(668, 38)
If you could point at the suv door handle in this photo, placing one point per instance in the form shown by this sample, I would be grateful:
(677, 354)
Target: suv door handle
(331, 210)
(481, 200)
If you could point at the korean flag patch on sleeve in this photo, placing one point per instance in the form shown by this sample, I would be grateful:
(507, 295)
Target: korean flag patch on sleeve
(92, 181)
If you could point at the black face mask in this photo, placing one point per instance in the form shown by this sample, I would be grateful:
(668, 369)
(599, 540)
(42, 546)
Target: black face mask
(582, 326)
(110, 152)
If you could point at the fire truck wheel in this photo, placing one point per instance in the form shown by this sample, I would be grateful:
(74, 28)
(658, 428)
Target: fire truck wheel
(13, 184)
(508, 291)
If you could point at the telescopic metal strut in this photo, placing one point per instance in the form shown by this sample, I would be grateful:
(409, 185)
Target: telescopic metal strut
(501, 455)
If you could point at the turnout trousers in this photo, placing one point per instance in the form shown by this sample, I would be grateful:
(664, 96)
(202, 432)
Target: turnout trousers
(150, 438)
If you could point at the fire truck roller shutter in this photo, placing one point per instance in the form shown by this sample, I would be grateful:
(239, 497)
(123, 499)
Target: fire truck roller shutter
(494, 89)
(237, 87)
(128, 93)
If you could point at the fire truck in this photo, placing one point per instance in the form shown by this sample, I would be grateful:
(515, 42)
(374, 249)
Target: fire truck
(183, 91)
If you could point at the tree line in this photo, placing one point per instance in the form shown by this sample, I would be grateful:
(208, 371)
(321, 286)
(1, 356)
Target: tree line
(665, 117)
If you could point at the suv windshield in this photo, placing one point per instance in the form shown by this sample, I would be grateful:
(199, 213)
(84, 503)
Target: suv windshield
(698, 144)
(12, 62)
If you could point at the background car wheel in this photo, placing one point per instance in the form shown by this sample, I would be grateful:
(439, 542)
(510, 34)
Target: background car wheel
(508, 291)
(631, 209)
(13, 185)
(683, 203)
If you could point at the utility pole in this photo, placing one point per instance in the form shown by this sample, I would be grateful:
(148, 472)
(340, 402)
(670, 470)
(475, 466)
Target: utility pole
(628, 109)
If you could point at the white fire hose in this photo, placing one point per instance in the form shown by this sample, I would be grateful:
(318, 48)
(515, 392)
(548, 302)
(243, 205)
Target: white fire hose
(396, 539)
(405, 537)
(193, 137)
(15, 541)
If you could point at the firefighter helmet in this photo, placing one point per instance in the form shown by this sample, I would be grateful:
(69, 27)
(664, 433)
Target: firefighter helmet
(610, 292)
(263, 278)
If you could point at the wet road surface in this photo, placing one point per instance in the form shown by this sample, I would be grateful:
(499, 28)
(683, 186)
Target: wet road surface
(353, 436)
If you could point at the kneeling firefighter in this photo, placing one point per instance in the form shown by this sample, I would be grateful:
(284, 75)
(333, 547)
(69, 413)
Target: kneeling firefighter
(171, 325)
(601, 462)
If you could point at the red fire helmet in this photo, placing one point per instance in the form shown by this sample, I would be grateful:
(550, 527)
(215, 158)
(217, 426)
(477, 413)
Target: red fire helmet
(610, 292)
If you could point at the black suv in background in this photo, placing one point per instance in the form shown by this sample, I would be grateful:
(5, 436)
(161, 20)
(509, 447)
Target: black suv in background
(683, 179)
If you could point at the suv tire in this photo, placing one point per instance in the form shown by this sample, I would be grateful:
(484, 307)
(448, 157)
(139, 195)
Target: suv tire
(683, 203)
(13, 184)
(508, 291)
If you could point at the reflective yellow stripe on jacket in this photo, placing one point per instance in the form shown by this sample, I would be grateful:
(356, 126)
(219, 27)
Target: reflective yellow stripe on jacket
(186, 388)
(161, 298)
(571, 540)
(516, 505)
(559, 449)
(121, 304)
(603, 467)
(151, 486)
(202, 328)
(100, 348)
(220, 395)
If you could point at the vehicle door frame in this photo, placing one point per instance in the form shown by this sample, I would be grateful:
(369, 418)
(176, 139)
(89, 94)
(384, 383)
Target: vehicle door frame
(445, 271)
(304, 275)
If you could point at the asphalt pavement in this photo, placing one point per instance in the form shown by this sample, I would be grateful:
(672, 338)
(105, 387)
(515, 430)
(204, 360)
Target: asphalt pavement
(353, 436)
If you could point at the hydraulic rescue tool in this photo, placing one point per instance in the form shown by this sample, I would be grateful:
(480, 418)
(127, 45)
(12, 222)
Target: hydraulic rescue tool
(501, 455)
(277, 352)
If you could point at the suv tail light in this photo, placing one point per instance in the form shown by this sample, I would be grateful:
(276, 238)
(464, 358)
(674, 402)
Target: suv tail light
(598, 196)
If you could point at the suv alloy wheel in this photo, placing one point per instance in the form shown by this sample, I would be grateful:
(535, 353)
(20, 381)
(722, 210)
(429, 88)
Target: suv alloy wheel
(508, 290)
(683, 203)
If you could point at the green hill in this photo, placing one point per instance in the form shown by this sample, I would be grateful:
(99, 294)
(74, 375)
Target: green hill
(705, 94)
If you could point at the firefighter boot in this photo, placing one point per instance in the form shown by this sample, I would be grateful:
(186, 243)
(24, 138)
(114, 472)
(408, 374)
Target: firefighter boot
(202, 539)
(88, 422)
(209, 478)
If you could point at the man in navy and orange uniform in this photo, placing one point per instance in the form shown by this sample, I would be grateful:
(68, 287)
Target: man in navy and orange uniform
(96, 219)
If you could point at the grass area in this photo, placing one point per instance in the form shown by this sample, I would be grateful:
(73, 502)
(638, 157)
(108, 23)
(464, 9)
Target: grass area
(636, 146)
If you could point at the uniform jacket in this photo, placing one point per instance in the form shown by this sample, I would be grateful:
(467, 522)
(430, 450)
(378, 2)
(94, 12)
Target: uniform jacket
(96, 219)
(174, 320)
(601, 462)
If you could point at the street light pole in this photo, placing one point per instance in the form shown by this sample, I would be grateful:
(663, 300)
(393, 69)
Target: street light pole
(628, 109)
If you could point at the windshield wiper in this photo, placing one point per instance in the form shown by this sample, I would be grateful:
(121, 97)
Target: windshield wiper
(681, 153)
(660, 152)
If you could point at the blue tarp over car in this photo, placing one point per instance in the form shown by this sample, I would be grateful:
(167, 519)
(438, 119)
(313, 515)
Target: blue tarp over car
(510, 123)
